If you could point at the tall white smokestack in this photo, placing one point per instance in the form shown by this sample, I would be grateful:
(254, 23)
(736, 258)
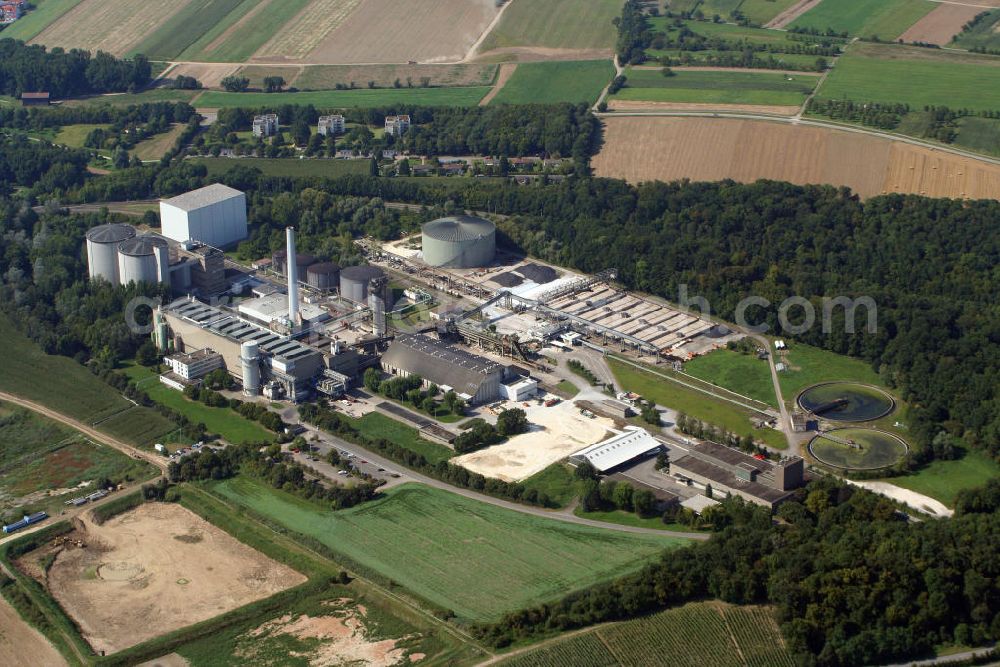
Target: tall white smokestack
(292, 270)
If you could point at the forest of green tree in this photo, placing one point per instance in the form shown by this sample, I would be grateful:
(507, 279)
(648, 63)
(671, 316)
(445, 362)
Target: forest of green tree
(61, 73)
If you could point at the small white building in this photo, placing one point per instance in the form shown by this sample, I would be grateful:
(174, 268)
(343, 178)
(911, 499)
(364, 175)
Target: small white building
(699, 504)
(630, 444)
(397, 125)
(520, 389)
(330, 125)
(215, 215)
(273, 308)
(194, 365)
(266, 125)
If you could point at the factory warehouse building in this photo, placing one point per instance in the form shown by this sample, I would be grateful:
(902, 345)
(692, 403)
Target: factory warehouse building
(215, 215)
(474, 378)
(631, 444)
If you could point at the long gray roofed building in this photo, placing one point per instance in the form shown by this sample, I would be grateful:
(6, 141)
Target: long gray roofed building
(436, 362)
(459, 242)
(286, 360)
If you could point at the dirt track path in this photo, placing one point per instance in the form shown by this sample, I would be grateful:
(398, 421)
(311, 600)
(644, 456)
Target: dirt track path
(503, 76)
(792, 13)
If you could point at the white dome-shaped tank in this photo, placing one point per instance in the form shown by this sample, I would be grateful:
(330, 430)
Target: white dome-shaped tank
(102, 250)
(143, 259)
(250, 360)
(459, 242)
(354, 282)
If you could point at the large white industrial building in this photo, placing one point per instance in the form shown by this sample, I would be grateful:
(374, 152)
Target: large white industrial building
(215, 215)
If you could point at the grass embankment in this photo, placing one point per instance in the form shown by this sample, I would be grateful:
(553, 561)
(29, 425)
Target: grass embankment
(375, 425)
(468, 96)
(692, 403)
(470, 557)
(942, 480)
(623, 518)
(551, 82)
(225, 422)
(885, 19)
(742, 373)
(985, 34)
(292, 167)
(714, 87)
(61, 384)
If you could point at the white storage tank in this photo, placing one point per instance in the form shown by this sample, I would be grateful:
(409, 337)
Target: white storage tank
(250, 359)
(143, 259)
(102, 250)
(459, 242)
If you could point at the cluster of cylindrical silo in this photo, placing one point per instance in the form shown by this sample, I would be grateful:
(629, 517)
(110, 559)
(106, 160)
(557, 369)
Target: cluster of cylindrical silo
(117, 254)
(459, 242)
(279, 262)
(355, 284)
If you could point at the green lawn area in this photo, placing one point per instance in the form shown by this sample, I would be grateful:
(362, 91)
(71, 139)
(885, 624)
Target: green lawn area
(888, 19)
(293, 167)
(731, 31)
(561, 24)
(979, 134)
(126, 99)
(918, 77)
(37, 19)
(473, 558)
(376, 425)
(806, 365)
(631, 519)
(75, 135)
(743, 373)
(467, 96)
(551, 82)
(751, 87)
(691, 402)
(186, 26)
(985, 34)
(240, 44)
(792, 61)
(942, 480)
(67, 387)
(568, 387)
(227, 423)
(557, 482)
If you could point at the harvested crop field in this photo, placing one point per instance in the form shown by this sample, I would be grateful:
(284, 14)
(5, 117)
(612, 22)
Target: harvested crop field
(326, 77)
(711, 149)
(381, 31)
(941, 25)
(210, 75)
(558, 24)
(152, 570)
(115, 26)
(21, 645)
(641, 105)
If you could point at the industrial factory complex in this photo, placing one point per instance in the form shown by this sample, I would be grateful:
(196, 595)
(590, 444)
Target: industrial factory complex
(445, 306)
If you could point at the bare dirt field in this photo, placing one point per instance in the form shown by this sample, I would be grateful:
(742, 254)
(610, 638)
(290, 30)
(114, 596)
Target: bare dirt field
(639, 105)
(710, 149)
(210, 74)
(941, 24)
(399, 31)
(535, 53)
(506, 71)
(115, 26)
(555, 433)
(792, 13)
(21, 645)
(152, 570)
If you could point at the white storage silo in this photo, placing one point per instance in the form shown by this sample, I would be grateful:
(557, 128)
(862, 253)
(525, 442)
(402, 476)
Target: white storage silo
(102, 250)
(459, 242)
(143, 259)
(250, 359)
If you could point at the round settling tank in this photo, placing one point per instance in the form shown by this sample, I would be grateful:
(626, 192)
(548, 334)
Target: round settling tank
(459, 242)
(354, 282)
(324, 275)
(140, 259)
(102, 250)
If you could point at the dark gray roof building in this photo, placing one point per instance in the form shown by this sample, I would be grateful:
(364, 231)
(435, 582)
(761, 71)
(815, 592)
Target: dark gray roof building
(436, 362)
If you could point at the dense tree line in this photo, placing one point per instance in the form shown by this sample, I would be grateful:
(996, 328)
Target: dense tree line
(61, 73)
(252, 411)
(40, 166)
(36, 118)
(853, 583)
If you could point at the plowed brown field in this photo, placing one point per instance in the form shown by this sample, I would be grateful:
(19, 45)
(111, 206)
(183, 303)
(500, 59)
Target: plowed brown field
(710, 149)
(940, 25)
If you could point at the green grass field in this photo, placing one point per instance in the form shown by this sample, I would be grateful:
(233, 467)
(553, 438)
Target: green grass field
(467, 96)
(568, 388)
(473, 558)
(237, 46)
(692, 403)
(326, 77)
(227, 423)
(986, 33)
(942, 480)
(557, 481)
(186, 26)
(743, 373)
(731, 31)
(37, 19)
(806, 365)
(697, 634)
(979, 134)
(375, 425)
(874, 449)
(751, 87)
(126, 99)
(557, 24)
(550, 82)
(286, 166)
(918, 77)
(887, 19)
(74, 135)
